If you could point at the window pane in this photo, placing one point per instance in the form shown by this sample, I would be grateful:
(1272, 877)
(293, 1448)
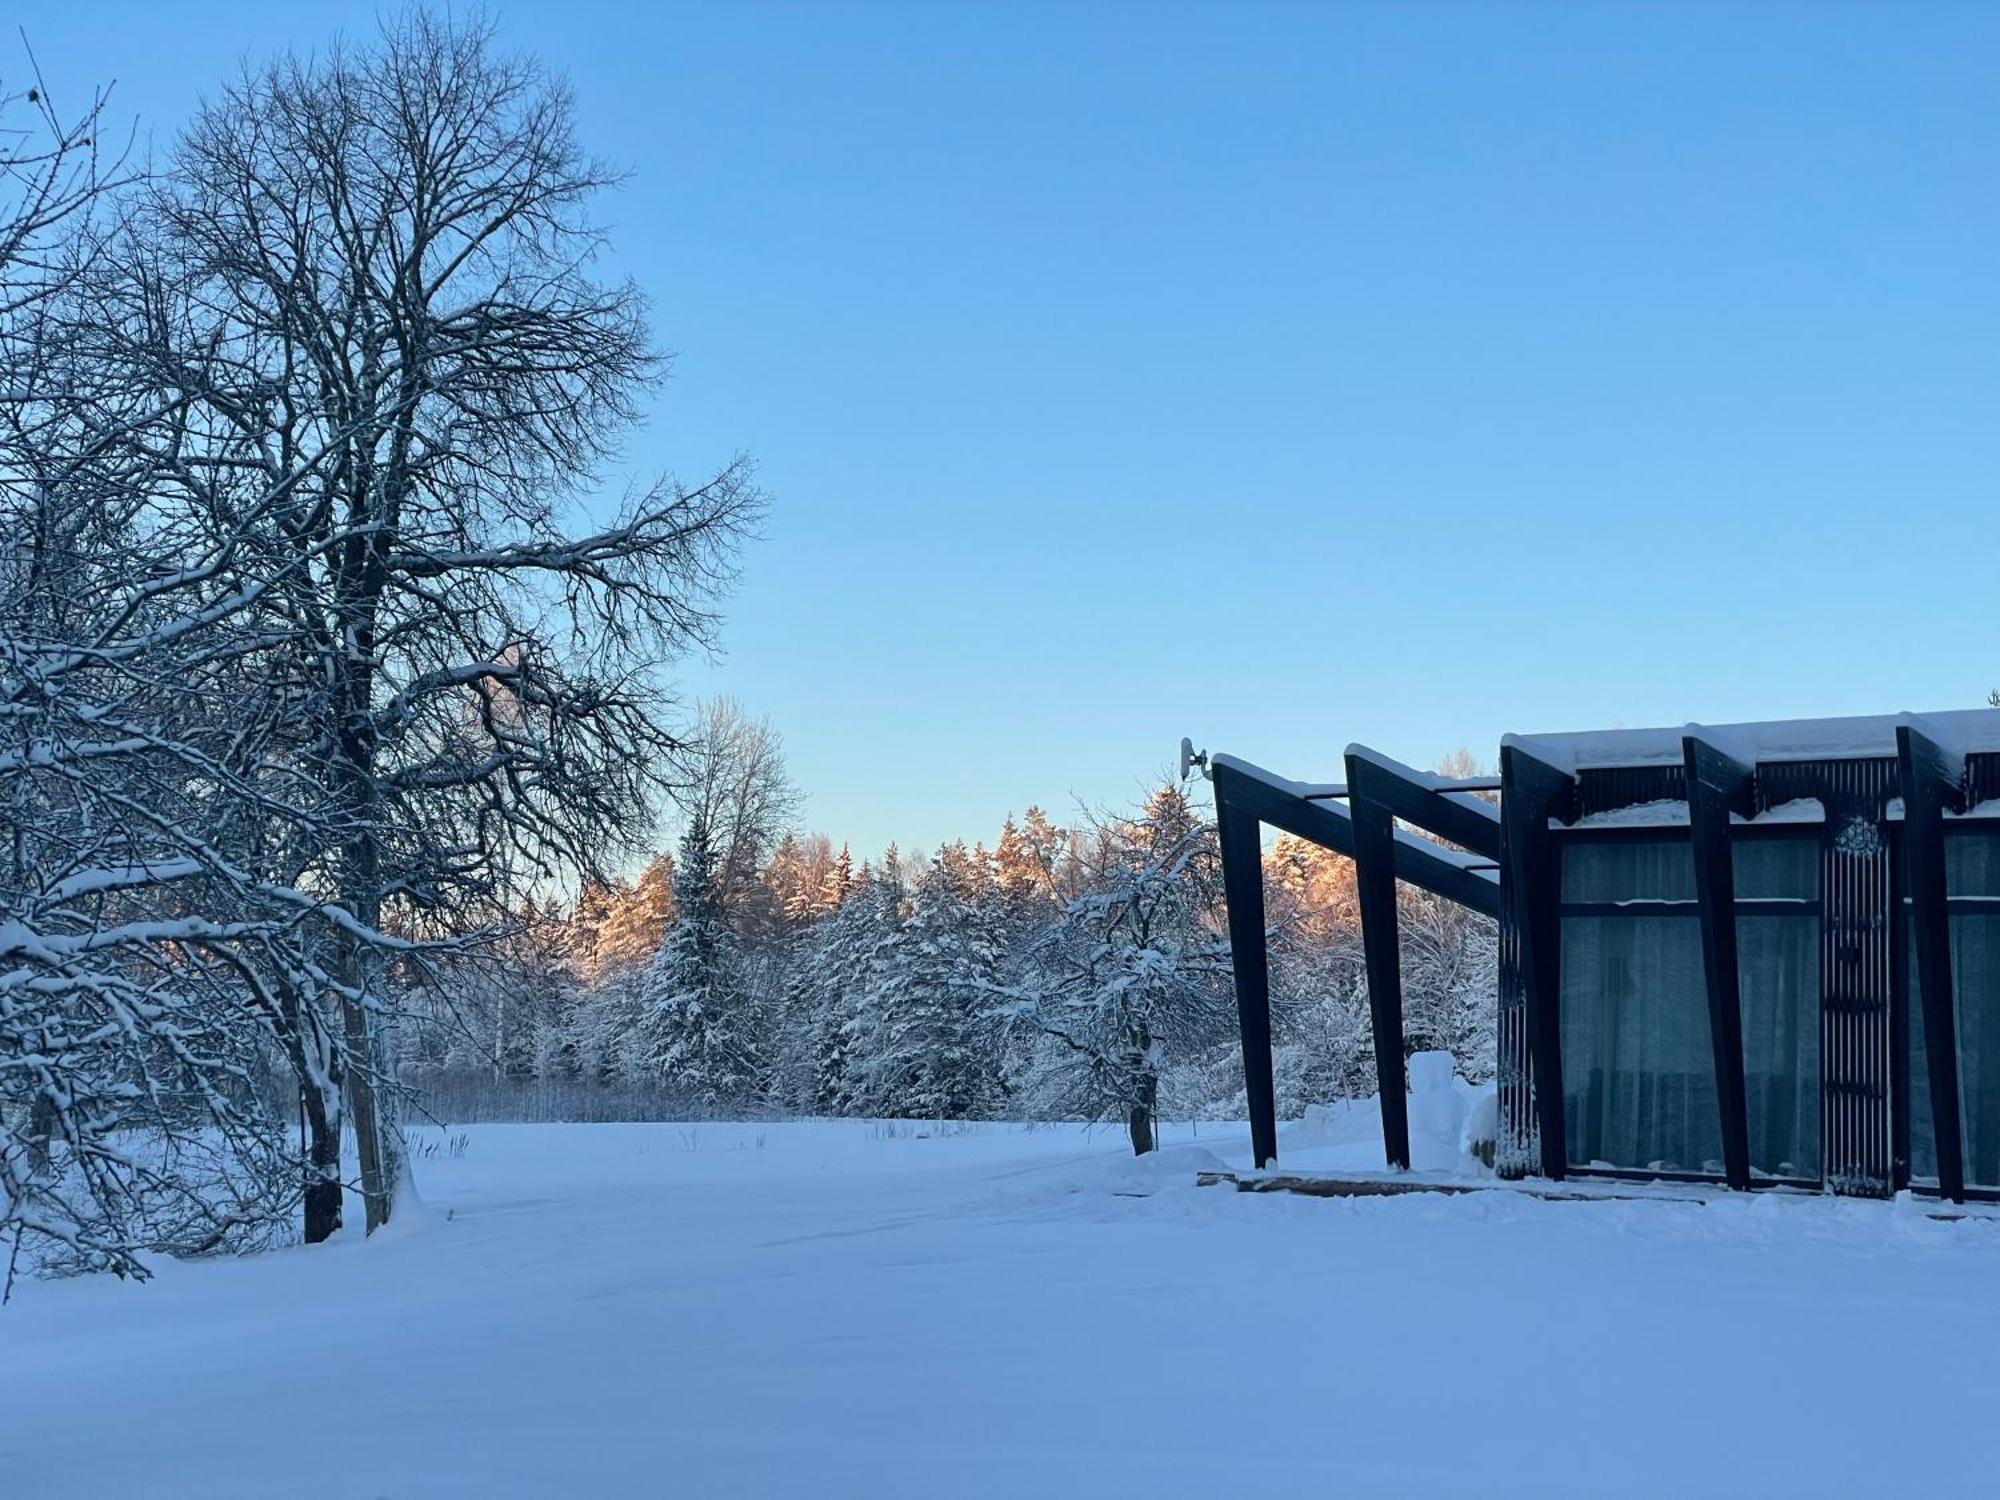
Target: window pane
(1972, 864)
(1638, 1072)
(1923, 1145)
(1975, 973)
(1624, 870)
(1777, 966)
(1768, 868)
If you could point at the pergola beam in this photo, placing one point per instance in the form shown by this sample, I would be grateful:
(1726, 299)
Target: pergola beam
(1717, 786)
(1464, 878)
(1380, 791)
(1247, 796)
(1428, 802)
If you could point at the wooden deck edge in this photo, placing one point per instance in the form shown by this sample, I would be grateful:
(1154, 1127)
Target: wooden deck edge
(1330, 1187)
(1383, 1187)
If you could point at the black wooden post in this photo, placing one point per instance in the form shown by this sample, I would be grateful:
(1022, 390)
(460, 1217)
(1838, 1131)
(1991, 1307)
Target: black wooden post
(1933, 780)
(1243, 893)
(1533, 791)
(1718, 785)
(1375, 893)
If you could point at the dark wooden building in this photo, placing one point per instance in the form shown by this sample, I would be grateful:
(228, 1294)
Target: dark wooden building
(1752, 954)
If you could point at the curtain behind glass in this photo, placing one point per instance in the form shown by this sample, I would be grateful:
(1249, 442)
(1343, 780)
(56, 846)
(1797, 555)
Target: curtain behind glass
(1777, 964)
(1638, 1069)
(1975, 973)
(1628, 870)
(1923, 1144)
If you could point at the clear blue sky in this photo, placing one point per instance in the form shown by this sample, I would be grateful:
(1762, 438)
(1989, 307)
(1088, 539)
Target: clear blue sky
(1286, 375)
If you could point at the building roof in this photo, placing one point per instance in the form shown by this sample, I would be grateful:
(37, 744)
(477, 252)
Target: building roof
(1965, 731)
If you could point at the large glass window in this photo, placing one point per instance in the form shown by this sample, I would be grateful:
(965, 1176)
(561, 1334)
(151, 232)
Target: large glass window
(1777, 977)
(1622, 871)
(1638, 1068)
(1638, 1060)
(1972, 882)
(1775, 868)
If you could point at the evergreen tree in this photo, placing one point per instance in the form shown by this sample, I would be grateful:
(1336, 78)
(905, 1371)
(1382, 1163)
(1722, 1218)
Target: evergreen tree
(832, 974)
(930, 1037)
(695, 1029)
(838, 883)
(635, 918)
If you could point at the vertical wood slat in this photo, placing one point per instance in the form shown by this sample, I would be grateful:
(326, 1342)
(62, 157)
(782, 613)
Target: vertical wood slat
(1518, 1152)
(1857, 978)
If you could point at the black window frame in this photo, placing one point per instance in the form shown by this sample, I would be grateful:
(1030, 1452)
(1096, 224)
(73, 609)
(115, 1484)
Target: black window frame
(1903, 1001)
(1753, 907)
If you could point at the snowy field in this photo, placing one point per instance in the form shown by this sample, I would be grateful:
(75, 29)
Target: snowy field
(844, 1309)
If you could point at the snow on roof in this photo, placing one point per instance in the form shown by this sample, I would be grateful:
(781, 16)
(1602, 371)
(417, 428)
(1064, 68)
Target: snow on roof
(1670, 814)
(1325, 797)
(1964, 731)
(1638, 815)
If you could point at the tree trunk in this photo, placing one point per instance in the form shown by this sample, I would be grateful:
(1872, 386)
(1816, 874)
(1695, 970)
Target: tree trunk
(1140, 1120)
(41, 1129)
(371, 1071)
(370, 1085)
(316, 1061)
(322, 1201)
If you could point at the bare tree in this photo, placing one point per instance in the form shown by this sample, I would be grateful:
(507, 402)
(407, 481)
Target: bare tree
(364, 284)
(141, 959)
(741, 792)
(1131, 969)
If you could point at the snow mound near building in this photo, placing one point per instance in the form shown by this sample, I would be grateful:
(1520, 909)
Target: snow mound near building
(1452, 1124)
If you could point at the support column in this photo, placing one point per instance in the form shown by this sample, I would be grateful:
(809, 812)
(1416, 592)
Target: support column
(1718, 786)
(1933, 780)
(1533, 791)
(1237, 832)
(1375, 892)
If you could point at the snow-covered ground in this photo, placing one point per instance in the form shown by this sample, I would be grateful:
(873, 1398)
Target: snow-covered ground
(841, 1309)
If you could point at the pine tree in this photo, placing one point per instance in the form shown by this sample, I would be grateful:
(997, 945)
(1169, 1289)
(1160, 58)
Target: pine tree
(635, 918)
(832, 974)
(857, 1029)
(695, 1030)
(839, 882)
(928, 1046)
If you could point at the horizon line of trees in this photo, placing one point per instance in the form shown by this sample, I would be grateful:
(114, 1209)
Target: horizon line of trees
(1061, 973)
